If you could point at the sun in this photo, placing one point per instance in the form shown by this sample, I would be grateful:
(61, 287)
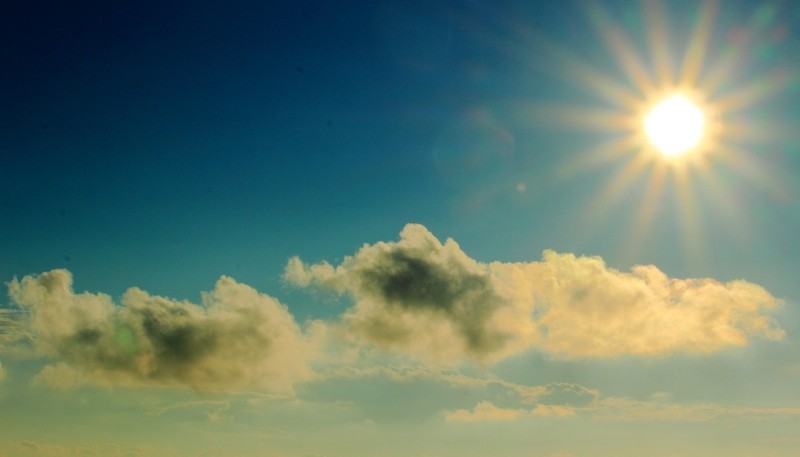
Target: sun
(675, 125)
(684, 123)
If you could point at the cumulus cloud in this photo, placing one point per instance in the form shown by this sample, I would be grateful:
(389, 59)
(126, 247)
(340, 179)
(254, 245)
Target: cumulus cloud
(236, 338)
(586, 309)
(420, 296)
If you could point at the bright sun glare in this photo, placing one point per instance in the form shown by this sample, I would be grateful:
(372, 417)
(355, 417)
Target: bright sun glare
(672, 114)
(674, 125)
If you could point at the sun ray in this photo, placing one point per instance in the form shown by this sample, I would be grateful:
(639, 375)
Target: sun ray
(753, 92)
(555, 60)
(616, 187)
(689, 222)
(602, 154)
(753, 172)
(739, 44)
(648, 208)
(698, 45)
(621, 49)
(593, 80)
(586, 118)
(726, 206)
(655, 15)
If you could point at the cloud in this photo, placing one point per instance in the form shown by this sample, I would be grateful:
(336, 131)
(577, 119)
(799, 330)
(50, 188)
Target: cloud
(494, 399)
(553, 410)
(487, 411)
(60, 376)
(484, 411)
(237, 338)
(586, 309)
(451, 395)
(422, 296)
(562, 453)
(215, 410)
(556, 393)
(15, 338)
(426, 298)
(2, 372)
(623, 409)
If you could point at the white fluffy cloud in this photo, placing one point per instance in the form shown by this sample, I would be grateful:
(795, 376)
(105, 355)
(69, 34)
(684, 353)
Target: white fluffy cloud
(586, 309)
(236, 338)
(428, 298)
(423, 296)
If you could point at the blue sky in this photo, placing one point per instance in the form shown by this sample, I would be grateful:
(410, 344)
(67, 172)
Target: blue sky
(425, 229)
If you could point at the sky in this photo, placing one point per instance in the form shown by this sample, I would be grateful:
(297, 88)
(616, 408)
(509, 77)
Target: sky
(342, 229)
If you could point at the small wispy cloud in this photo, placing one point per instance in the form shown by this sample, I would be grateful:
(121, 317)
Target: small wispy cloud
(213, 410)
(562, 453)
(633, 410)
(622, 409)
(553, 410)
(556, 392)
(487, 411)
(483, 411)
(15, 336)
(42, 449)
(60, 376)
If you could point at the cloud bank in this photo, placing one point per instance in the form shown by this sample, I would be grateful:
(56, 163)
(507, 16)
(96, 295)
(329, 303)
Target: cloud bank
(420, 296)
(236, 338)
(416, 297)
